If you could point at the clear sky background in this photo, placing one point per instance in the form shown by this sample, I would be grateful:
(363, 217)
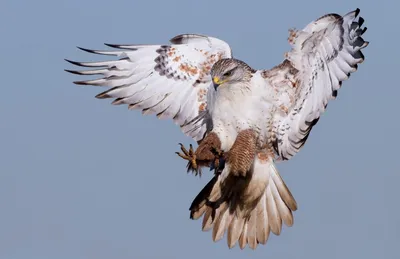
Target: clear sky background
(80, 178)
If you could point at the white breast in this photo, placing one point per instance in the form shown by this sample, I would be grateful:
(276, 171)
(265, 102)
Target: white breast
(234, 109)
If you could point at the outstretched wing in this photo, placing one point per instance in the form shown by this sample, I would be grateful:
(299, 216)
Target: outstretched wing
(168, 80)
(323, 55)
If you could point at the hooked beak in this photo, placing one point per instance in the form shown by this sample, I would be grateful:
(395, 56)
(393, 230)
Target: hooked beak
(216, 82)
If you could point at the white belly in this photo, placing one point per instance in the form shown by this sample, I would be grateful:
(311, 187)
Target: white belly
(230, 118)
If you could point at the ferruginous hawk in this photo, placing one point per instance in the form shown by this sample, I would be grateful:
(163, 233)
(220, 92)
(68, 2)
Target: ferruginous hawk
(243, 119)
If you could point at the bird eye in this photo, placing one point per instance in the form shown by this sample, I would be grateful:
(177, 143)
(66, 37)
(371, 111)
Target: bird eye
(229, 73)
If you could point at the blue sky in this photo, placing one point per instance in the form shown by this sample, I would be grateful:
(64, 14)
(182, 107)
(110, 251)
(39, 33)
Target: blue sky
(80, 178)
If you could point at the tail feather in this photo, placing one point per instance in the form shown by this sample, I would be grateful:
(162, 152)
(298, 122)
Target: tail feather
(243, 237)
(252, 234)
(222, 222)
(249, 215)
(234, 230)
(263, 229)
(210, 192)
(283, 190)
(208, 221)
(284, 212)
(275, 221)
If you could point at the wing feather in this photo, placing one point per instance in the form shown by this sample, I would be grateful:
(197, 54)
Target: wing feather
(170, 81)
(323, 55)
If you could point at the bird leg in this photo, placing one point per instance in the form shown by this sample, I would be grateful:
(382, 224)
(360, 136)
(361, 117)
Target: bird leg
(241, 156)
(203, 155)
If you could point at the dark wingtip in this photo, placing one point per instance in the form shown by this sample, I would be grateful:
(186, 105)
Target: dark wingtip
(364, 30)
(360, 21)
(121, 46)
(183, 38)
(111, 45)
(73, 62)
(87, 50)
(116, 46)
(72, 71)
(80, 82)
(177, 39)
(118, 101)
(357, 12)
(102, 95)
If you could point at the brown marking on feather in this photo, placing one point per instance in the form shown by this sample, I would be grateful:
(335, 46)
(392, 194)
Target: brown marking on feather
(188, 69)
(263, 157)
(202, 107)
(206, 66)
(241, 156)
(284, 109)
(171, 52)
(201, 96)
(265, 153)
(293, 34)
(284, 67)
(286, 54)
(201, 93)
(177, 58)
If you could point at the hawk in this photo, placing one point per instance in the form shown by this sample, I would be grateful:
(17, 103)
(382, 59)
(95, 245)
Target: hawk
(244, 120)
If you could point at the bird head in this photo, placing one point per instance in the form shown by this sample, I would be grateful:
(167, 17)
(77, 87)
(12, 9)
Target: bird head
(228, 71)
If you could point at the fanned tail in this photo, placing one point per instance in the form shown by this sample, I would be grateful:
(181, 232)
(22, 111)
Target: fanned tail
(247, 208)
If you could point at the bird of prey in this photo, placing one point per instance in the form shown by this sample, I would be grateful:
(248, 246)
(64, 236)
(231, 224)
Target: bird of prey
(244, 120)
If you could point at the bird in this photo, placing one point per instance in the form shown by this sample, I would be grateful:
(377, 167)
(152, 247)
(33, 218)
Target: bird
(244, 120)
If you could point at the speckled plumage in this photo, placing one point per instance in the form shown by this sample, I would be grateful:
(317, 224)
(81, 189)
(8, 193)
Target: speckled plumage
(256, 117)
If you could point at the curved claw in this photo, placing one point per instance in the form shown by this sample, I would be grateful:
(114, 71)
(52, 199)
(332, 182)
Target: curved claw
(191, 157)
(194, 169)
(184, 149)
